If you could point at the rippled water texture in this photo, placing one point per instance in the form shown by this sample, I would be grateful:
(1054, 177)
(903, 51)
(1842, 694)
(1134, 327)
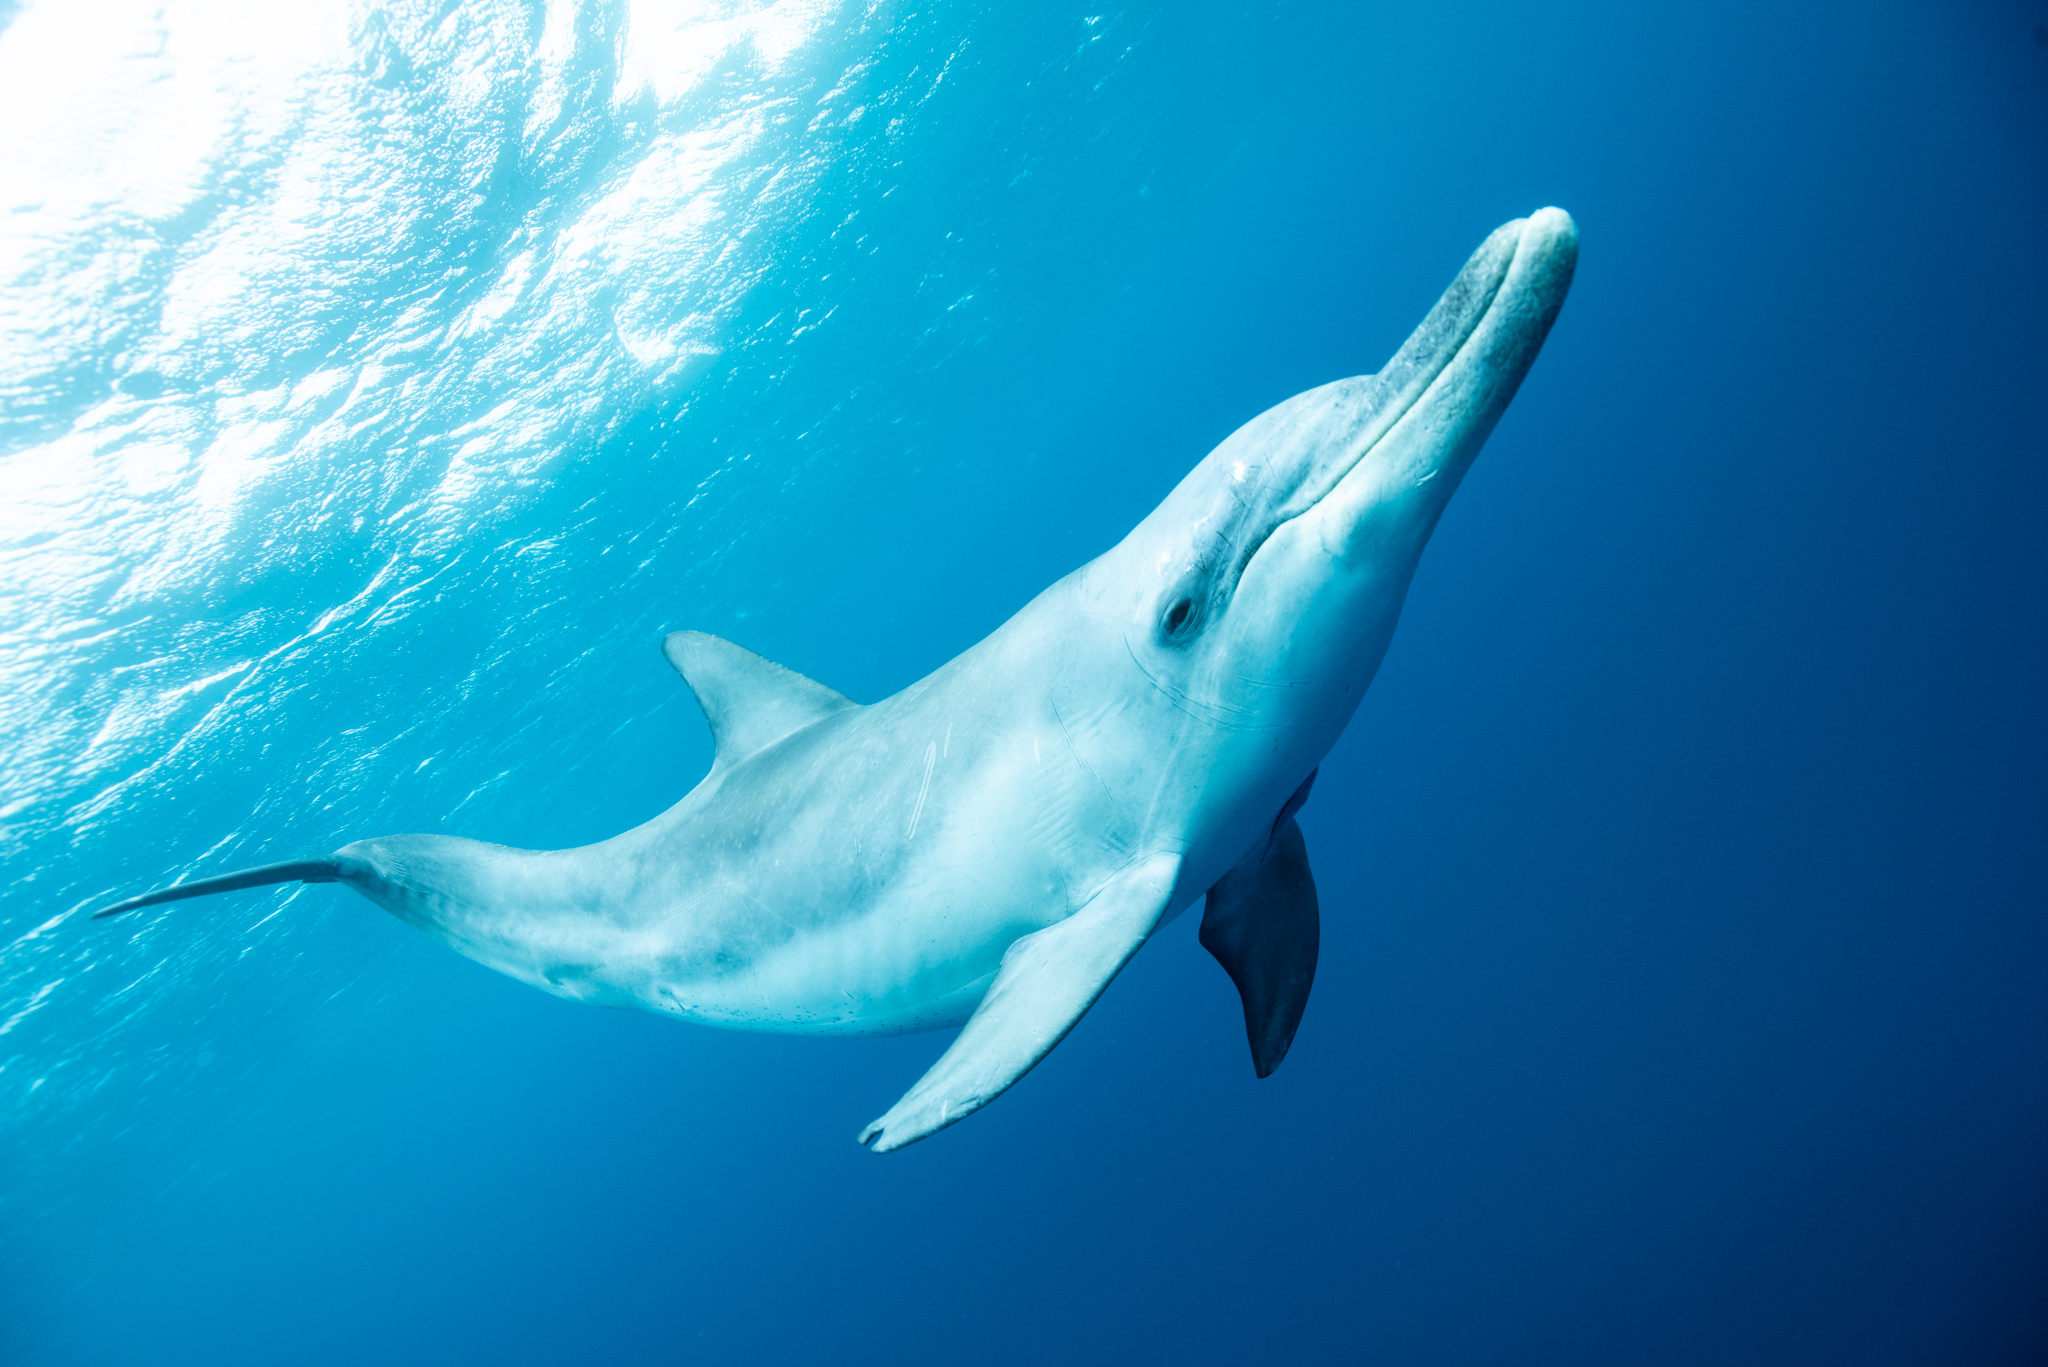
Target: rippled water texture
(327, 334)
(275, 385)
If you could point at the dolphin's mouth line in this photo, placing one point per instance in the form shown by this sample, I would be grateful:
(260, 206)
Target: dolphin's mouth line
(1386, 420)
(1418, 392)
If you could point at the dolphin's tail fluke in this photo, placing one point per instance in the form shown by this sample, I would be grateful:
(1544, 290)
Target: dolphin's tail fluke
(297, 871)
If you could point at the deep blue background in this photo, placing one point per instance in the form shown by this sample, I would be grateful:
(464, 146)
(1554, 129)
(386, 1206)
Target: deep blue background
(1684, 981)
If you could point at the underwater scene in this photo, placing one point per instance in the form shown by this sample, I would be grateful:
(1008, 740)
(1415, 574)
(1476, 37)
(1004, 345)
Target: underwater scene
(423, 423)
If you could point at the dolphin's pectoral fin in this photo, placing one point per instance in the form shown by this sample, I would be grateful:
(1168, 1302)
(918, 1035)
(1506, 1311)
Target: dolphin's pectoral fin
(1047, 982)
(750, 702)
(1261, 924)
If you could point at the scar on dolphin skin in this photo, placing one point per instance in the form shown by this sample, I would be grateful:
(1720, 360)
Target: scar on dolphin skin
(931, 757)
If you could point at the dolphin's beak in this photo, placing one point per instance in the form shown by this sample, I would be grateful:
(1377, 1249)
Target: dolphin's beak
(1356, 471)
(1440, 396)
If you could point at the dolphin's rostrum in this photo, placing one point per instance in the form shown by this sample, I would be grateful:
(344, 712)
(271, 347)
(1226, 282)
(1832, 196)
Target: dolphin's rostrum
(992, 844)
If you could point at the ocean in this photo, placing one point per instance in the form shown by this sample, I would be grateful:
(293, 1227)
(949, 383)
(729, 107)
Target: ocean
(379, 383)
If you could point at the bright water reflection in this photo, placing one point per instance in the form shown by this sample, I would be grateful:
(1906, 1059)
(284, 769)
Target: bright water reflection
(333, 338)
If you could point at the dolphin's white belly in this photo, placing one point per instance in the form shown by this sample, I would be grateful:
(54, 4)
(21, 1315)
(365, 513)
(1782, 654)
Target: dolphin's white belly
(886, 906)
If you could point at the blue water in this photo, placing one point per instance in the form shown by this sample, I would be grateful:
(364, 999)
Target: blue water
(376, 388)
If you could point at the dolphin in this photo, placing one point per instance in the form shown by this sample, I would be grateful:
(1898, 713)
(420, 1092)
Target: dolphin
(991, 845)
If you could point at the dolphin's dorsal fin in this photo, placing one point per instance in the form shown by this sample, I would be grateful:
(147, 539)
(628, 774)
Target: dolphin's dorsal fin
(750, 702)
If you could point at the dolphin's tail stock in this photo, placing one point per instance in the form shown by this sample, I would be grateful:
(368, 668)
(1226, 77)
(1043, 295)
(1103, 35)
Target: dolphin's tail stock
(326, 870)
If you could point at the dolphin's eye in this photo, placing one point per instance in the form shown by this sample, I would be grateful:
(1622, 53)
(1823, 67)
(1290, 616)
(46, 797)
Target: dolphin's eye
(1177, 616)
